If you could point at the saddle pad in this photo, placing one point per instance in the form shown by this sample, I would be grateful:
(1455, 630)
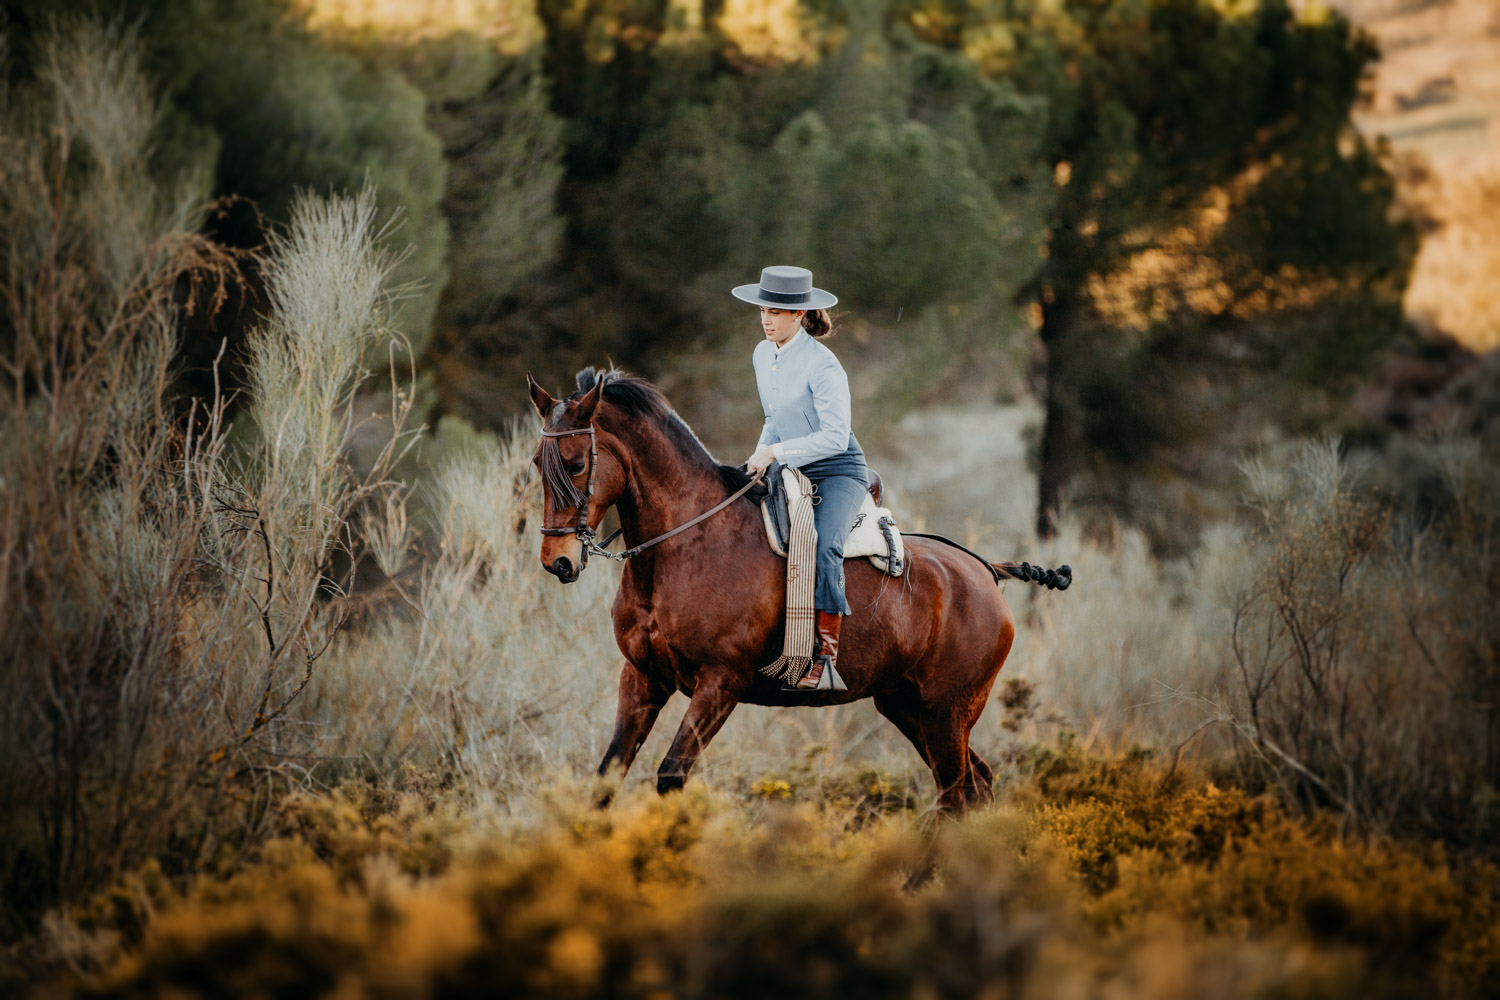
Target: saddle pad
(874, 535)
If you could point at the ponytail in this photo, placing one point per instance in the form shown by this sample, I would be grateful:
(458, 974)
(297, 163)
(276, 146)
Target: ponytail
(817, 323)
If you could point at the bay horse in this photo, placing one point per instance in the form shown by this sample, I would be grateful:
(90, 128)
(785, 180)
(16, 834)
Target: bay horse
(702, 610)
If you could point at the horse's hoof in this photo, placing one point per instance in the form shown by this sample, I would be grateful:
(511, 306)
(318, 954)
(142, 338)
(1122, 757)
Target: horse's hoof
(666, 783)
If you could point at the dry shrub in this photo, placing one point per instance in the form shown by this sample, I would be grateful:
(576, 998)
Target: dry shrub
(1364, 645)
(165, 586)
(1119, 657)
(102, 507)
(485, 667)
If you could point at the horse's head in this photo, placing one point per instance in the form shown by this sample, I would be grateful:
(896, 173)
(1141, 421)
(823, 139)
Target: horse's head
(580, 478)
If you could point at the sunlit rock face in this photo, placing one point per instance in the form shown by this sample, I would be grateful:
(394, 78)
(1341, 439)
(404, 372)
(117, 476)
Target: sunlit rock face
(511, 23)
(1436, 97)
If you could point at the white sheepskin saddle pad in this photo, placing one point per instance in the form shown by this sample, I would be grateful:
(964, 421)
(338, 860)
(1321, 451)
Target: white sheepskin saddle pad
(874, 536)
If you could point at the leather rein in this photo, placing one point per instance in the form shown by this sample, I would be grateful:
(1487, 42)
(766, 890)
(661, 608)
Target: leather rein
(586, 534)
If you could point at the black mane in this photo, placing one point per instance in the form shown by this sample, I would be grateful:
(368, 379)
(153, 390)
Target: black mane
(638, 396)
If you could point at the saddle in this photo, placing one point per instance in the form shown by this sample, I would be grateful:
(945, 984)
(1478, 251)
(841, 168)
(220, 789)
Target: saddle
(874, 535)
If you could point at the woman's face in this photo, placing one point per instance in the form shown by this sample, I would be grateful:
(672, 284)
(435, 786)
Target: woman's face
(780, 324)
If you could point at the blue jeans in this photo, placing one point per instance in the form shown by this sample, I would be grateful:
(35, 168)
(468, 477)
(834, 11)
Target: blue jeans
(839, 500)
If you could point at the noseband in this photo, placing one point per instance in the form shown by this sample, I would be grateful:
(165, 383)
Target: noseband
(586, 534)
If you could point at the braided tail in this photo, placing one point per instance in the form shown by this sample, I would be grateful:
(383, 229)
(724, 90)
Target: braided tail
(1053, 579)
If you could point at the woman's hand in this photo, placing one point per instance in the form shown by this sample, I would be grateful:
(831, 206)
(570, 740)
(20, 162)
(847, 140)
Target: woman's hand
(761, 460)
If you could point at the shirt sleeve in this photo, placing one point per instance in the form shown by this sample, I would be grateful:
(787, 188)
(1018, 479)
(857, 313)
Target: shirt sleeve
(830, 391)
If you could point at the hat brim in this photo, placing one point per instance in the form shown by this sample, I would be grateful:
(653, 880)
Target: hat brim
(817, 299)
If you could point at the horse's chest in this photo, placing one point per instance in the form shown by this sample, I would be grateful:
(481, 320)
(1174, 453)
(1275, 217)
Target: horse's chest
(638, 629)
(650, 630)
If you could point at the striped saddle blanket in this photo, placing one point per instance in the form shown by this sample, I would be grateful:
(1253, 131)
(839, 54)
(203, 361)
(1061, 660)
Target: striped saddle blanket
(788, 512)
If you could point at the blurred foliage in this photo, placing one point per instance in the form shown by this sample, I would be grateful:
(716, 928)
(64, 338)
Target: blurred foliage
(897, 170)
(288, 112)
(1364, 638)
(1105, 876)
(1170, 191)
(1210, 183)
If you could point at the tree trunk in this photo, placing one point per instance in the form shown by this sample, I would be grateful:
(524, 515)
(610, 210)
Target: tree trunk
(1058, 434)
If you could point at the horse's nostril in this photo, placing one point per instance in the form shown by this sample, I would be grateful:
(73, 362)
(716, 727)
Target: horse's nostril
(562, 566)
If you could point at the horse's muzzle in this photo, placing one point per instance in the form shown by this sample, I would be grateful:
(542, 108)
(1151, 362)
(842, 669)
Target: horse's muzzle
(562, 567)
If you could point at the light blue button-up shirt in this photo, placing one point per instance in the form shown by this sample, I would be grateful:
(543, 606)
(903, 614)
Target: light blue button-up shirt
(804, 394)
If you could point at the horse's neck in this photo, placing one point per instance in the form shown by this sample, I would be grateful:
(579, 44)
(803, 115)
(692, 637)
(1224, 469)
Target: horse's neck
(666, 487)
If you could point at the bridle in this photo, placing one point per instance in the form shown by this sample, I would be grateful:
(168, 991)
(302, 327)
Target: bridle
(581, 529)
(586, 534)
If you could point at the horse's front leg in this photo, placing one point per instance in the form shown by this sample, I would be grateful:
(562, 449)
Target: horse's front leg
(717, 692)
(641, 700)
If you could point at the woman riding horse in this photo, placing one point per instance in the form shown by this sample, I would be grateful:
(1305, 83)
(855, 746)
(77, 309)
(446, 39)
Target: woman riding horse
(805, 395)
(701, 599)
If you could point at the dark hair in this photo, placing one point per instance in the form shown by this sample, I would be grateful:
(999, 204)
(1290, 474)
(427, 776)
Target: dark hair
(818, 323)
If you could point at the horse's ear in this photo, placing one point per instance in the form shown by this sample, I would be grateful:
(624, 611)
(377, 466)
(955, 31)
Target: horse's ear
(539, 398)
(586, 405)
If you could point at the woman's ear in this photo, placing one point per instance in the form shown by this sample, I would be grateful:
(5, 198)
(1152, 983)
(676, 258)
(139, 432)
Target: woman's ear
(539, 398)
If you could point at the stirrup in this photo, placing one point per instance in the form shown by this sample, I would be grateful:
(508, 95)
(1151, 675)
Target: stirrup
(829, 681)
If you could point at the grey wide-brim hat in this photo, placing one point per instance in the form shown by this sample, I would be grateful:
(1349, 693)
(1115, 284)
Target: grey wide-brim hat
(785, 287)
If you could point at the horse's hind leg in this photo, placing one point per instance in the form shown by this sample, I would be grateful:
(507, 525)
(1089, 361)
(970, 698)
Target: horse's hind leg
(981, 780)
(903, 718)
(948, 744)
(940, 741)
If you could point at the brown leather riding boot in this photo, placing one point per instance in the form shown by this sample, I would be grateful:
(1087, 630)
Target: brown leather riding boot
(828, 624)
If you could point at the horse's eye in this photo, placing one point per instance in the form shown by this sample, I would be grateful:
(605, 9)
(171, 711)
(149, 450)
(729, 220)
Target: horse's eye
(576, 468)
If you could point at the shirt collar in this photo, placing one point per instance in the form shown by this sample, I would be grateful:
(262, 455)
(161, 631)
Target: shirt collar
(790, 343)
